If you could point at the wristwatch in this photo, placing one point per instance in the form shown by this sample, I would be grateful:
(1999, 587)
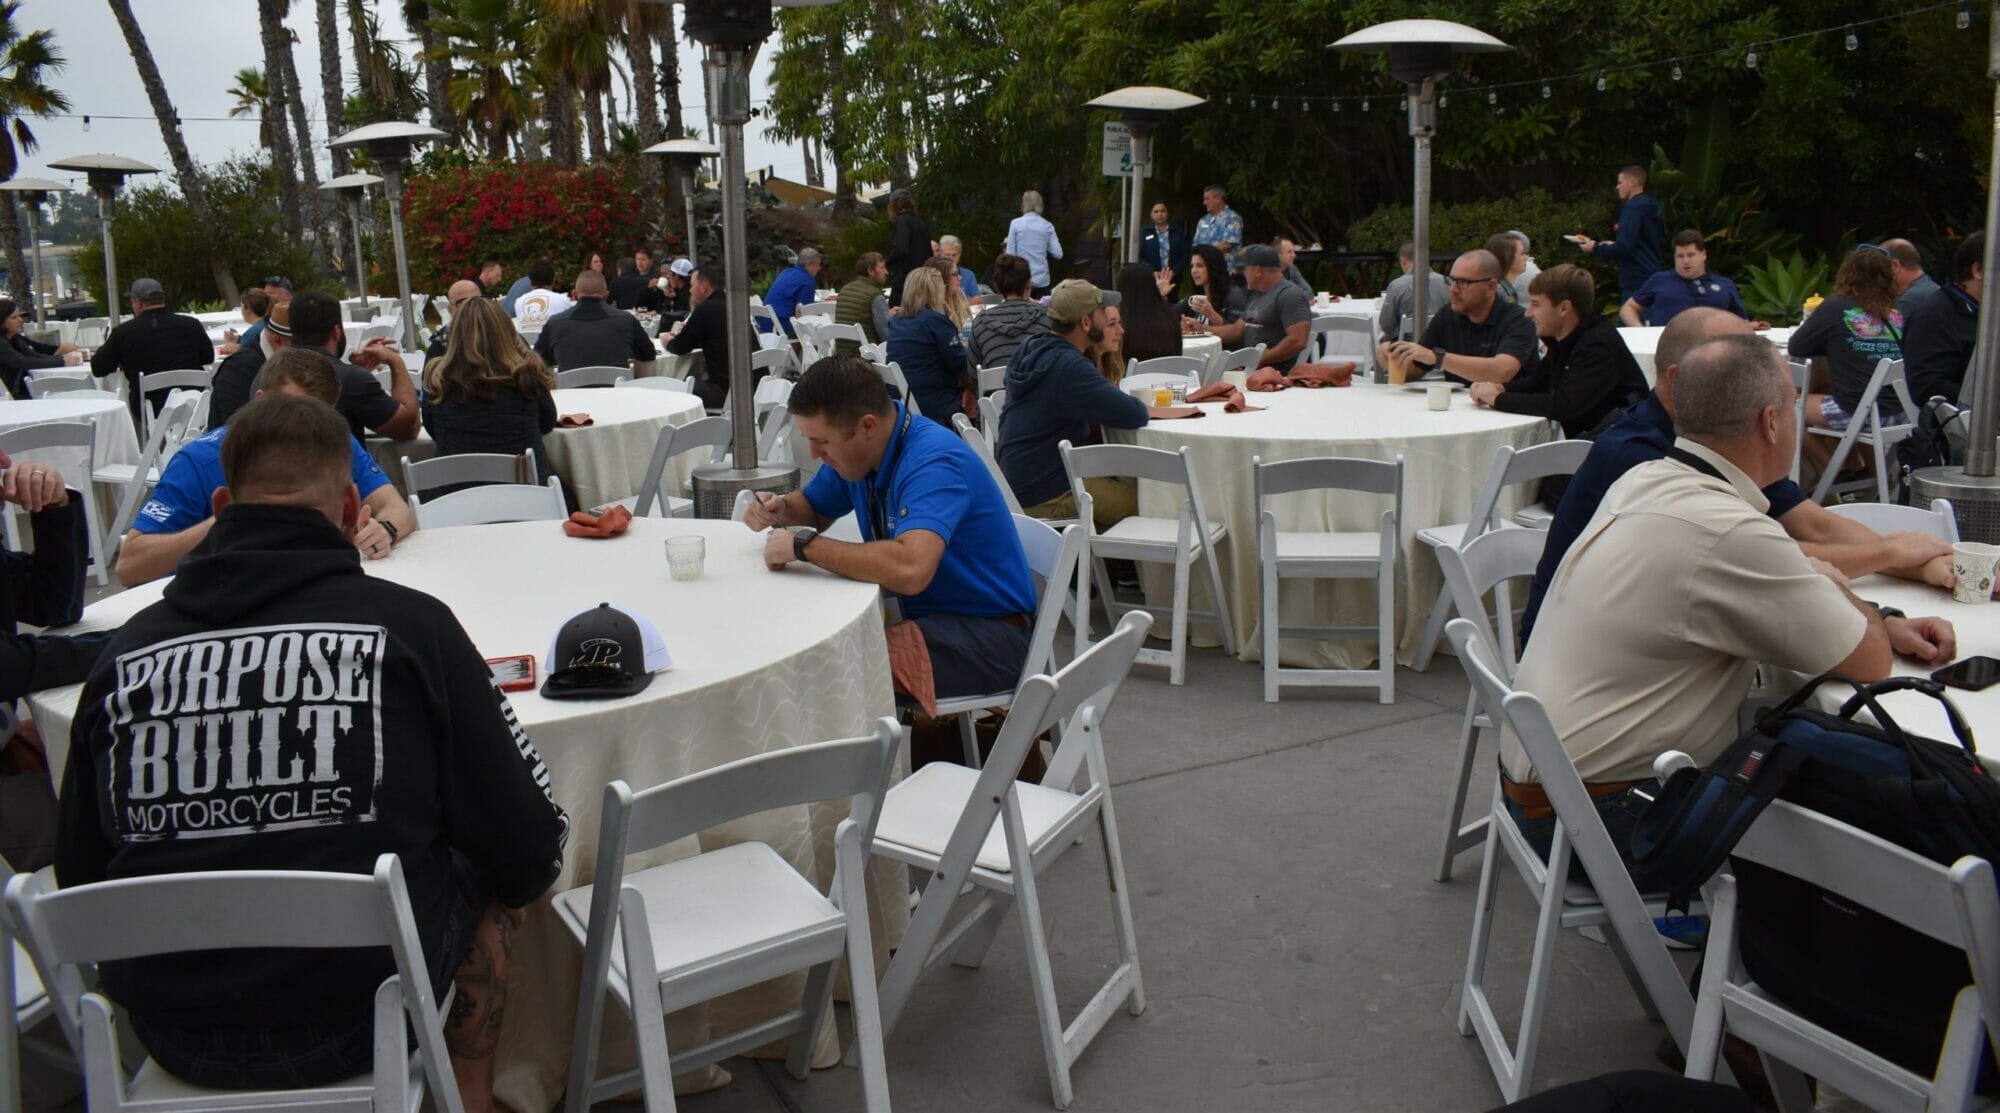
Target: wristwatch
(1440, 353)
(800, 539)
(1887, 613)
(389, 528)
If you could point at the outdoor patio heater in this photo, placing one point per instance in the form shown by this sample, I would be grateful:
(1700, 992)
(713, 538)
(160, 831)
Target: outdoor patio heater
(1420, 52)
(106, 174)
(1973, 489)
(1143, 108)
(32, 192)
(388, 145)
(351, 188)
(684, 158)
(732, 30)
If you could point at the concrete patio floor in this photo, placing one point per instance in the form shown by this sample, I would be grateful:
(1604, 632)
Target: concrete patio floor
(1296, 953)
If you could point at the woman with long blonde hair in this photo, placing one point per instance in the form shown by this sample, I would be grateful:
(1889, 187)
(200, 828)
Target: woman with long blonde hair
(489, 391)
(956, 305)
(924, 342)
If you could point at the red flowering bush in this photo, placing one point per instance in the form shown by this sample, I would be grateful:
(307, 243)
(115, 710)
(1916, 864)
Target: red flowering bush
(458, 216)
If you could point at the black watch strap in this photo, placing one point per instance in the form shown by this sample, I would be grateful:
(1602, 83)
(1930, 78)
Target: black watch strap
(800, 539)
(389, 527)
(1887, 613)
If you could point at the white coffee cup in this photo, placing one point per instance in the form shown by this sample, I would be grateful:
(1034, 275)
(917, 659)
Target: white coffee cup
(1973, 564)
(1238, 379)
(1439, 395)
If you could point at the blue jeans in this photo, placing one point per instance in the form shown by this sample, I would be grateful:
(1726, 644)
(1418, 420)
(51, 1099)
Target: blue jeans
(1620, 812)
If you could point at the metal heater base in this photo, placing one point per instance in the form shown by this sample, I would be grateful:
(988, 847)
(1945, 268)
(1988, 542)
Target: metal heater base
(715, 486)
(1975, 500)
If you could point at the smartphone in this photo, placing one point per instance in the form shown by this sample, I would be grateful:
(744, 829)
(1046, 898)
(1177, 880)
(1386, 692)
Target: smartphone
(1973, 674)
(513, 674)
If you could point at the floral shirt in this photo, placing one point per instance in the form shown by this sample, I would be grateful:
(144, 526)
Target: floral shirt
(1853, 341)
(1223, 227)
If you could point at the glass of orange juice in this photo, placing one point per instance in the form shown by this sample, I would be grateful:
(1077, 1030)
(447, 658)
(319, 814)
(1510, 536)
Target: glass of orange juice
(1163, 396)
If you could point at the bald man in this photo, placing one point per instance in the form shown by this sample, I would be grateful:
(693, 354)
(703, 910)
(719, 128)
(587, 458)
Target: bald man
(1482, 338)
(595, 333)
(1645, 433)
(1913, 286)
(461, 291)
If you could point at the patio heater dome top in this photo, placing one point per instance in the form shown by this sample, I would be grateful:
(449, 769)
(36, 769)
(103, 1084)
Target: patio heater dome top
(350, 181)
(34, 185)
(387, 140)
(1137, 100)
(689, 148)
(117, 164)
(1421, 48)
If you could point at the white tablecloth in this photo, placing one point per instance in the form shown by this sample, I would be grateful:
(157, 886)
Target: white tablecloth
(1978, 628)
(1446, 456)
(814, 668)
(115, 442)
(1645, 340)
(603, 461)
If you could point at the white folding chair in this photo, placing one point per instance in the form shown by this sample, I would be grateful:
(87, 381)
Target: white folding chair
(1245, 360)
(491, 504)
(1956, 905)
(661, 939)
(1801, 370)
(423, 476)
(1939, 521)
(984, 829)
(993, 378)
(1179, 540)
(1190, 368)
(1608, 900)
(48, 387)
(658, 382)
(976, 440)
(1328, 555)
(1868, 427)
(170, 430)
(170, 380)
(817, 309)
(761, 312)
(800, 450)
(892, 374)
(1144, 385)
(1511, 466)
(21, 986)
(442, 305)
(1489, 562)
(70, 447)
(591, 376)
(831, 334)
(1342, 338)
(991, 406)
(711, 433)
(68, 931)
(776, 363)
(91, 331)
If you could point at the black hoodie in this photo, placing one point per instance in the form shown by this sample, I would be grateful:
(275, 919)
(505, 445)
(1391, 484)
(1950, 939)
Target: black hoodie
(280, 709)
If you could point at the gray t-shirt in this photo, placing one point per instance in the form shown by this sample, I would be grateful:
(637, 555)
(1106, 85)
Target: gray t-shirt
(1270, 313)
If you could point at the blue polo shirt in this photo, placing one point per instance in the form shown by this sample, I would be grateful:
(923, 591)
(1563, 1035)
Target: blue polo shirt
(788, 291)
(1667, 294)
(1643, 435)
(928, 479)
(186, 489)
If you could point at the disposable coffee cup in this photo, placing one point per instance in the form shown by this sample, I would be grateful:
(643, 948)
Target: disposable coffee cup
(1439, 396)
(1973, 564)
(685, 556)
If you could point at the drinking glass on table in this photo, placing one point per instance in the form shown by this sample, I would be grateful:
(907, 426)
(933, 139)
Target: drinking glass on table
(685, 556)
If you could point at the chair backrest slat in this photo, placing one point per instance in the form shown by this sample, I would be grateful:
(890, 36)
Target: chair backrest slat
(1859, 867)
(209, 911)
(420, 476)
(1473, 570)
(976, 441)
(1887, 517)
(712, 433)
(590, 376)
(493, 503)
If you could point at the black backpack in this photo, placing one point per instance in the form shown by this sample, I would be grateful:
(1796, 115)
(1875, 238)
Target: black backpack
(1856, 973)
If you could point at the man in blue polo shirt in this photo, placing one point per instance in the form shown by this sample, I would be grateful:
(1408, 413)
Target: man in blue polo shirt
(1647, 431)
(794, 288)
(936, 530)
(182, 507)
(1670, 292)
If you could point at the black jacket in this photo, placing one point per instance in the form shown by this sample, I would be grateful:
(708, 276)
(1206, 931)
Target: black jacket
(636, 291)
(155, 340)
(279, 709)
(593, 334)
(509, 423)
(1584, 376)
(20, 355)
(234, 384)
(1938, 342)
(45, 588)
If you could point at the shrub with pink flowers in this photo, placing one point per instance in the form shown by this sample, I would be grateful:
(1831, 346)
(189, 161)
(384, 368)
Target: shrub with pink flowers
(459, 215)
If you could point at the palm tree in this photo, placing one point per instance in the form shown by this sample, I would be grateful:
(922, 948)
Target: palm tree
(270, 16)
(26, 60)
(327, 15)
(491, 87)
(642, 24)
(253, 98)
(170, 134)
(295, 101)
(437, 67)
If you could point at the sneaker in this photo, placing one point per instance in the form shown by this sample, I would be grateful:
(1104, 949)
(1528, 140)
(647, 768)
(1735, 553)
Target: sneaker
(1682, 933)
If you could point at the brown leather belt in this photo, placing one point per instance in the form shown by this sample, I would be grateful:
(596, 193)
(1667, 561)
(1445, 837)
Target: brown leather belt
(1017, 621)
(1534, 801)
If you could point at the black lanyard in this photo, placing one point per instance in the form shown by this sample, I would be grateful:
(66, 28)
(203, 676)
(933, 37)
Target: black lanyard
(1697, 463)
(877, 511)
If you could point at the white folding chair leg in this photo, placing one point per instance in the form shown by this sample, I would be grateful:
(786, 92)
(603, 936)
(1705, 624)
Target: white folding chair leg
(1513, 1066)
(853, 885)
(1183, 561)
(10, 1030)
(1222, 624)
(1427, 642)
(1267, 621)
(655, 1064)
(1460, 836)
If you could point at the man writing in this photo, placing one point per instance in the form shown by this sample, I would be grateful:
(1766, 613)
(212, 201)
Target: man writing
(936, 532)
(1279, 315)
(153, 339)
(1940, 333)
(1588, 371)
(1482, 339)
(178, 515)
(592, 334)
(1670, 292)
(1646, 432)
(379, 730)
(1705, 586)
(393, 413)
(1913, 286)
(1635, 242)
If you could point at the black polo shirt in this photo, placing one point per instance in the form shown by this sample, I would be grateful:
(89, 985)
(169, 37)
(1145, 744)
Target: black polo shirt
(152, 341)
(1506, 331)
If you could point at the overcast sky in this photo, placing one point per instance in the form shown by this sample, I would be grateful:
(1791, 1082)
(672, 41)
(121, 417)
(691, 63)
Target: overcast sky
(199, 45)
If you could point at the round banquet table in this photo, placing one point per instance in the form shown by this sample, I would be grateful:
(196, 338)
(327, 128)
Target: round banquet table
(816, 669)
(113, 441)
(1645, 340)
(1446, 456)
(603, 461)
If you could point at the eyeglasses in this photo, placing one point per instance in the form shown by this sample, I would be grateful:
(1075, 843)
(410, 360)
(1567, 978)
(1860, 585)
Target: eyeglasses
(1456, 281)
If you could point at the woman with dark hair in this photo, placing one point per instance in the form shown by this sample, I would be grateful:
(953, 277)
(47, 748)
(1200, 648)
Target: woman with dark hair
(1852, 331)
(20, 355)
(1000, 329)
(1151, 329)
(1215, 299)
(489, 392)
(910, 242)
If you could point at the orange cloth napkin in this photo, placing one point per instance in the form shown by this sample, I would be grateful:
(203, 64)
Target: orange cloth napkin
(611, 523)
(1213, 392)
(910, 665)
(1237, 404)
(573, 421)
(1316, 375)
(1266, 379)
(1171, 413)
